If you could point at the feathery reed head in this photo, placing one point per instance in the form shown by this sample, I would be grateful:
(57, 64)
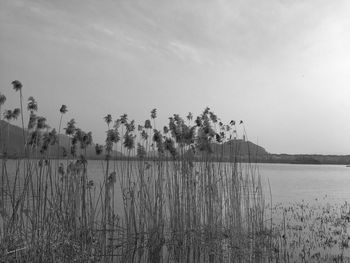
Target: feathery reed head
(189, 116)
(15, 113)
(2, 99)
(123, 118)
(154, 113)
(165, 129)
(148, 124)
(63, 109)
(130, 127)
(32, 104)
(169, 146)
(213, 117)
(17, 85)
(32, 121)
(144, 135)
(8, 115)
(41, 123)
(108, 119)
(199, 121)
(112, 136)
(129, 141)
(70, 127)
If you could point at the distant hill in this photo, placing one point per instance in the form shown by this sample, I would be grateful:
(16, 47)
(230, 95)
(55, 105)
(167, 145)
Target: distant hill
(11, 140)
(240, 147)
(235, 150)
(231, 150)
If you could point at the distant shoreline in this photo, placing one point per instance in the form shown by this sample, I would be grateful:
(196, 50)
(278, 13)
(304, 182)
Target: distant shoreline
(310, 159)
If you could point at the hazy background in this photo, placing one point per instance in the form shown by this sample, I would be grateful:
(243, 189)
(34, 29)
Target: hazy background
(282, 66)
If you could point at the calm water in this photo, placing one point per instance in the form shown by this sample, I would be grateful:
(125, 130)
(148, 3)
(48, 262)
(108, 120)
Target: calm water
(289, 182)
(294, 182)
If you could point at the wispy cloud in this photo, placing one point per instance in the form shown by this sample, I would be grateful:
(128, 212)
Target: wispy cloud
(200, 31)
(103, 29)
(185, 52)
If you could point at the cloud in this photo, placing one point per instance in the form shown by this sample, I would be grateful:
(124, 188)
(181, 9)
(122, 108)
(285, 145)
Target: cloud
(184, 51)
(102, 29)
(199, 31)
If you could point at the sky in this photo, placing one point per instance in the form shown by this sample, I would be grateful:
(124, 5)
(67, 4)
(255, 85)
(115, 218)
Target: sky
(281, 66)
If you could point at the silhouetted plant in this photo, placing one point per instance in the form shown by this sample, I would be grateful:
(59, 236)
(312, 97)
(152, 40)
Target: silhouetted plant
(154, 113)
(15, 113)
(8, 115)
(158, 139)
(108, 119)
(112, 137)
(148, 124)
(213, 117)
(169, 145)
(63, 110)
(130, 127)
(2, 102)
(123, 118)
(70, 129)
(2, 99)
(98, 149)
(198, 121)
(182, 204)
(17, 86)
(41, 123)
(165, 129)
(189, 116)
(32, 105)
(144, 135)
(129, 141)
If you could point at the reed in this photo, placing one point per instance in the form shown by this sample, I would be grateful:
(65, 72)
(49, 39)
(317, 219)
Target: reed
(185, 194)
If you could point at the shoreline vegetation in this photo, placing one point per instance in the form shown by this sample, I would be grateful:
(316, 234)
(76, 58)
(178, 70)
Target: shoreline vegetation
(255, 154)
(289, 159)
(180, 206)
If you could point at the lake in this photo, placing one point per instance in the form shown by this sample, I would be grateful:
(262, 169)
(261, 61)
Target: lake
(289, 182)
(297, 182)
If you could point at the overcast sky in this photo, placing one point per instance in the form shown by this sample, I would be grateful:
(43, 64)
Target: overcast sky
(282, 66)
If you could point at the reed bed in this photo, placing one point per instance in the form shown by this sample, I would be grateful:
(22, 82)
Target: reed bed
(312, 231)
(186, 195)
